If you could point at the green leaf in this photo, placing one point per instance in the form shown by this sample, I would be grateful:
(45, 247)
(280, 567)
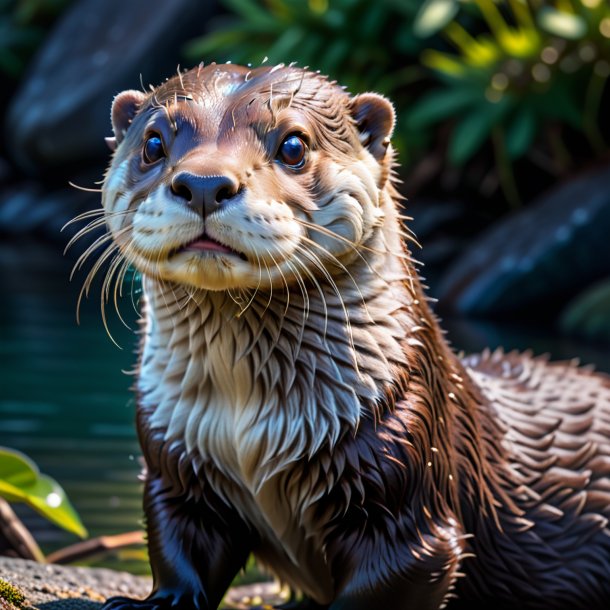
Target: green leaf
(286, 47)
(217, 42)
(17, 468)
(441, 104)
(252, 12)
(475, 128)
(559, 23)
(433, 16)
(450, 65)
(21, 481)
(520, 133)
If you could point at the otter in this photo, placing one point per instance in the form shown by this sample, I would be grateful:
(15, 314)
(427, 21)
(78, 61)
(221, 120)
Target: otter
(296, 397)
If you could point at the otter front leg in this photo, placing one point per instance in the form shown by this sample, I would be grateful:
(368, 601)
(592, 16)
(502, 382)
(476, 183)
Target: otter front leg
(196, 547)
(399, 593)
(393, 572)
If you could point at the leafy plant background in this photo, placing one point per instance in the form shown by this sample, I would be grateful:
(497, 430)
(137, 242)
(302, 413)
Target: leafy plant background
(489, 91)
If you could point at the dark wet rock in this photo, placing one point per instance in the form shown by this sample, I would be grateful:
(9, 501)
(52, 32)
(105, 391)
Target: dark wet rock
(588, 315)
(27, 208)
(443, 228)
(538, 258)
(62, 112)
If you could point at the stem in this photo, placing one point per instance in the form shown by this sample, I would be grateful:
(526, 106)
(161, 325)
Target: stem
(505, 170)
(460, 37)
(493, 17)
(522, 13)
(593, 98)
(96, 546)
(561, 155)
(15, 538)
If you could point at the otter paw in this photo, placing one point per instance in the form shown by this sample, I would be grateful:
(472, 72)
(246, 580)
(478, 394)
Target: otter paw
(126, 603)
(157, 602)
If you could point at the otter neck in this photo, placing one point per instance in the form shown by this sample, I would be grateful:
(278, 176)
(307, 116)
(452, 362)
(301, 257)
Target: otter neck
(255, 389)
(283, 377)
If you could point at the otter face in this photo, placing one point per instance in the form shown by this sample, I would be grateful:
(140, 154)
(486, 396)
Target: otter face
(226, 178)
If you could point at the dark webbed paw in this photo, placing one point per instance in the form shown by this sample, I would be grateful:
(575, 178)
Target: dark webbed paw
(157, 601)
(304, 604)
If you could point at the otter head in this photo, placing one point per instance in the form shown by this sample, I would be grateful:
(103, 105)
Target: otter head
(225, 177)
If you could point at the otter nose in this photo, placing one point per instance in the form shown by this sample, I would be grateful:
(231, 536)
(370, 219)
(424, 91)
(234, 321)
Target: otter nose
(204, 193)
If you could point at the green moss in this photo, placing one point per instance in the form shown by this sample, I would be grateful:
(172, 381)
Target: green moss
(11, 594)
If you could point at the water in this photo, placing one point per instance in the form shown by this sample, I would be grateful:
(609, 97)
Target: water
(65, 398)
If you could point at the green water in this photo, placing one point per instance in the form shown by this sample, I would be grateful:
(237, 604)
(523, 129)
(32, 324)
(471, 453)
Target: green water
(65, 400)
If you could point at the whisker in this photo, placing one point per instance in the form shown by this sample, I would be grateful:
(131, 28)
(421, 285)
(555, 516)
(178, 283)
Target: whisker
(284, 281)
(84, 188)
(91, 226)
(318, 263)
(356, 247)
(260, 279)
(101, 240)
(318, 288)
(114, 267)
(84, 291)
(336, 261)
(84, 216)
(403, 255)
(270, 287)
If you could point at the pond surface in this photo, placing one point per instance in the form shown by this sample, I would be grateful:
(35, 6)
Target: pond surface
(64, 391)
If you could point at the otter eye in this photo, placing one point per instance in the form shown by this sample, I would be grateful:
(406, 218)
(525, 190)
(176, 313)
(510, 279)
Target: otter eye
(153, 149)
(292, 151)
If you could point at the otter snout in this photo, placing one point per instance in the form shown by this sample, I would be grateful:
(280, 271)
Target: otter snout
(205, 194)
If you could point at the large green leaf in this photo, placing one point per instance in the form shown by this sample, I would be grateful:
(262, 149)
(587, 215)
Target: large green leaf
(562, 24)
(442, 104)
(475, 128)
(21, 481)
(433, 16)
(252, 12)
(521, 132)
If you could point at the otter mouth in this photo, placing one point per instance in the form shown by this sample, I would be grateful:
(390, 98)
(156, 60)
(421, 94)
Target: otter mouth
(206, 244)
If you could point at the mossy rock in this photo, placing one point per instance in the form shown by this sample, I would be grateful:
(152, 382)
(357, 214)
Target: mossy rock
(11, 596)
(54, 587)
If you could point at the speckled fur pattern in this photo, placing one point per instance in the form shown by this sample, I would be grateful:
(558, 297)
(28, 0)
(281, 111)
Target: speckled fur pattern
(300, 402)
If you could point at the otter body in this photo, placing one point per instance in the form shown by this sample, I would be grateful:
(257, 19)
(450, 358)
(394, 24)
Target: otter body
(297, 399)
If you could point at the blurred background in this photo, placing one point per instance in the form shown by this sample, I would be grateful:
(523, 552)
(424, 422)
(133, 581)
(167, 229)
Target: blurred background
(503, 141)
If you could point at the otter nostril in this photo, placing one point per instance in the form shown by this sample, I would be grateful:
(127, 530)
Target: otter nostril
(181, 190)
(224, 193)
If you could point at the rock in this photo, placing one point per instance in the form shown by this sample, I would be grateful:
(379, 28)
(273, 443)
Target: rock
(51, 587)
(28, 208)
(61, 114)
(443, 228)
(588, 315)
(538, 258)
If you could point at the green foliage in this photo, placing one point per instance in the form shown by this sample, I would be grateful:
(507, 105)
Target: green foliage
(356, 40)
(11, 594)
(363, 44)
(22, 28)
(588, 316)
(532, 66)
(505, 76)
(21, 481)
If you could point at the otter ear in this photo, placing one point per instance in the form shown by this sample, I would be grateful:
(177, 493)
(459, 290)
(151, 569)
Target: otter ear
(375, 118)
(124, 107)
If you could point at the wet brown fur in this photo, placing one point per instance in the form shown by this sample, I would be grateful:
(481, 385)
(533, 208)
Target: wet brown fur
(483, 479)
